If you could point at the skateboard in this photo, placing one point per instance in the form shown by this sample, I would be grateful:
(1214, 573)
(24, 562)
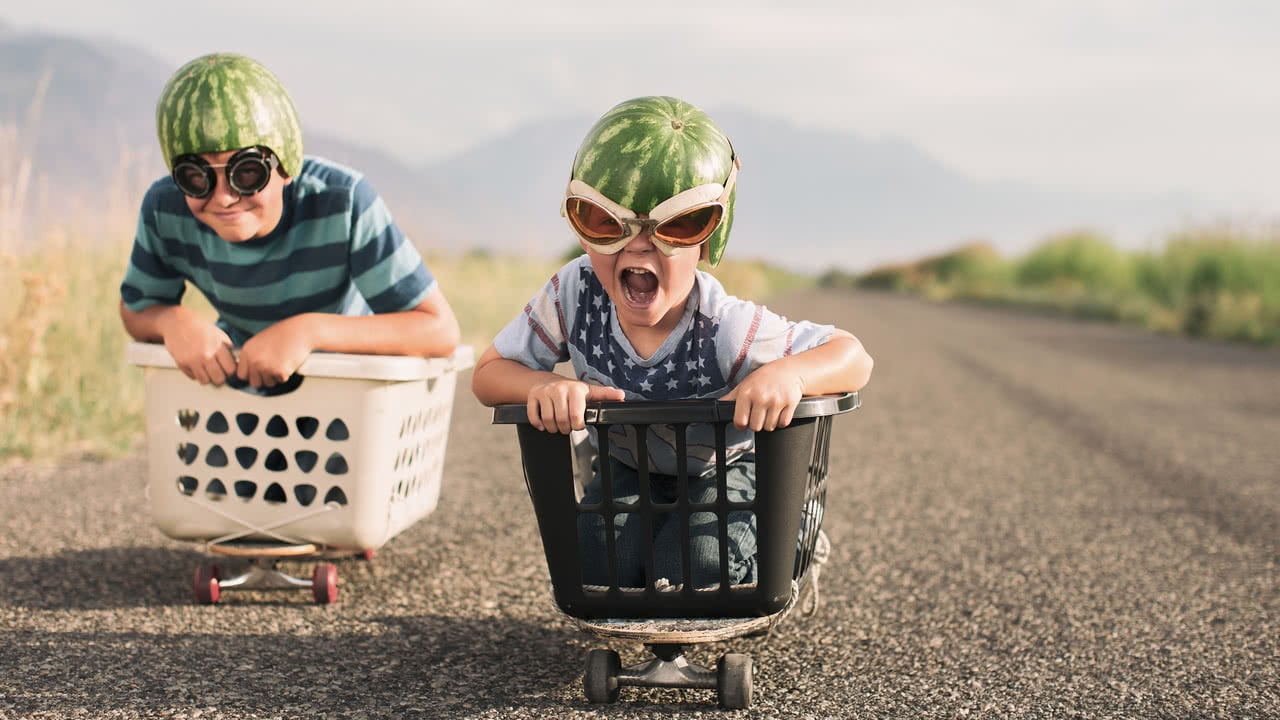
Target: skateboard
(665, 639)
(262, 572)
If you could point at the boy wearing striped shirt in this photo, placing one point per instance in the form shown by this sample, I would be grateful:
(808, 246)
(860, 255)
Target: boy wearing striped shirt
(296, 254)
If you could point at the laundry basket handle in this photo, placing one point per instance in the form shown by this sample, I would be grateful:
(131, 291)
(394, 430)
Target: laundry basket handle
(640, 412)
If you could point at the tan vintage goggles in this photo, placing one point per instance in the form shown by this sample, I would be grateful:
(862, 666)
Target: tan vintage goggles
(683, 220)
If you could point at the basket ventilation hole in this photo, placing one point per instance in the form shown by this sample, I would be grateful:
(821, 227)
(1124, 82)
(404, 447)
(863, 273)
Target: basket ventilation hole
(306, 460)
(187, 453)
(431, 384)
(187, 485)
(275, 494)
(217, 423)
(217, 457)
(336, 464)
(305, 494)
(247, 422)
(216, 490)
(246, 489)
(275, 462)
(188, 419)
(277, 427)
(337, 430)
(246, 456)
(307, 426)
(335, 495)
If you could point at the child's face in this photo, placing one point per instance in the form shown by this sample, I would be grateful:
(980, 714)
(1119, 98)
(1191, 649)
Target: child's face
(237, 218)
(648, 288)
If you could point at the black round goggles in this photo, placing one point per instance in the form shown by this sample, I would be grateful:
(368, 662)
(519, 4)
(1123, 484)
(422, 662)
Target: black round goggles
(248, 172)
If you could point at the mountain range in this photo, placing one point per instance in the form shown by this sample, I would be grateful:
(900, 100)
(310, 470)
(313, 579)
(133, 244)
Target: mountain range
(83, 110)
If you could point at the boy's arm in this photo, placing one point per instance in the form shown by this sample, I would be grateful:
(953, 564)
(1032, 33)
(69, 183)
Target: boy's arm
(497, 380)
(427, 330)
(839, 365)
(146, 324)
(768, 396)
(200, 349)
(553, 402)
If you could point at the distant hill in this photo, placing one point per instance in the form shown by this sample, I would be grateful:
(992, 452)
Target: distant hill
(807, 198)
(76, 106)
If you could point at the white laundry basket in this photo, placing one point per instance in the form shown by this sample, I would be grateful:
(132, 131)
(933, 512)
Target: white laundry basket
(346, 460)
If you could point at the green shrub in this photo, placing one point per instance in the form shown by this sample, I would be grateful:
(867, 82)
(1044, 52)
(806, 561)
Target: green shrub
(1074, 262)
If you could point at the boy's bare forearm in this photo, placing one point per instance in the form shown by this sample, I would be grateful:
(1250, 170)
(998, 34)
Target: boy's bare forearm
(412, 333)
(497, 380)
(429, 329)
(148, 324)
(839, 365)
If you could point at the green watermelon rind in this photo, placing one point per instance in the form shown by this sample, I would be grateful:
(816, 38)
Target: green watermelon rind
(643, 151)
(224, 101)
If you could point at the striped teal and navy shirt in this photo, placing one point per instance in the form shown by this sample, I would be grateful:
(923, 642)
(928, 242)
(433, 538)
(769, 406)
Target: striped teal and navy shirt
(336, 250)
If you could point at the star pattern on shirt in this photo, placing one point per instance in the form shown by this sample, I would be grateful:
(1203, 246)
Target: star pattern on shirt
(689, 370)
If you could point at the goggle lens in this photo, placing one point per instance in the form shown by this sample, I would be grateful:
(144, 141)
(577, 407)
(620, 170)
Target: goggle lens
(249, 175)
(192, 179)
(591, 221)
(248, 172)
(692, 227)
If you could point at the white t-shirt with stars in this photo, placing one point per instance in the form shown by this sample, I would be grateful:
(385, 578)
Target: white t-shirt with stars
(719, 340)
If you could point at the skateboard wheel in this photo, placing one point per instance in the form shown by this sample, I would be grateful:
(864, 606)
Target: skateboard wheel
(207, 589)
(367, 555)
(733, 681)
(324, 583)
(601, 679)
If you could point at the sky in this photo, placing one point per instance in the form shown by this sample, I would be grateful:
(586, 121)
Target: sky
(1112, 95)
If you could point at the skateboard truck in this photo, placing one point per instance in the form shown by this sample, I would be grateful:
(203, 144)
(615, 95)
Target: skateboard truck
(262, 573)
(668, 668)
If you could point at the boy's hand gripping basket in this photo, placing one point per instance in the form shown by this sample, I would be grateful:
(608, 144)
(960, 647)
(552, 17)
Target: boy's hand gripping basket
(790, 492)
(350, 455)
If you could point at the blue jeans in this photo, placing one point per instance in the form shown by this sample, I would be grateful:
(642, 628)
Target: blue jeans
(704, 536)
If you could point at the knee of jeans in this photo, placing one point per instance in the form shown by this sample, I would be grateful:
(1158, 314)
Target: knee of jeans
(592, 563)
(742, 531)
(704, 561)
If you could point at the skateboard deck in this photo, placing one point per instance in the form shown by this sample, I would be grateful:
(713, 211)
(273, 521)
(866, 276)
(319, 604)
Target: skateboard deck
(263, 550)
(681, 630)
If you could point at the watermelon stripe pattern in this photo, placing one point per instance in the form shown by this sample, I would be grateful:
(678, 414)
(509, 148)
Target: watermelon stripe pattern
(645, 150)
(223, 102)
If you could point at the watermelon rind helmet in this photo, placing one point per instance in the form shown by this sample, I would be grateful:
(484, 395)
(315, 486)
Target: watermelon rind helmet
(224, 101)
(647, 149)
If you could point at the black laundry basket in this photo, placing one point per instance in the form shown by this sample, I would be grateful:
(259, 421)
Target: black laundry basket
(790, 495)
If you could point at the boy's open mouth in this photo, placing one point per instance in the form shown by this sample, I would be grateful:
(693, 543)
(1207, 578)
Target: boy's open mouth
(639, 286)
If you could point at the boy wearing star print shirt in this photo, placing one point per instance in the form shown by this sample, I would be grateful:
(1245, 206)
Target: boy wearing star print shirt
(717, 341)
(637, 320)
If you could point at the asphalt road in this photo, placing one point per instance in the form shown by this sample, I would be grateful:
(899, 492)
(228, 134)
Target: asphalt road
(1031, 517)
